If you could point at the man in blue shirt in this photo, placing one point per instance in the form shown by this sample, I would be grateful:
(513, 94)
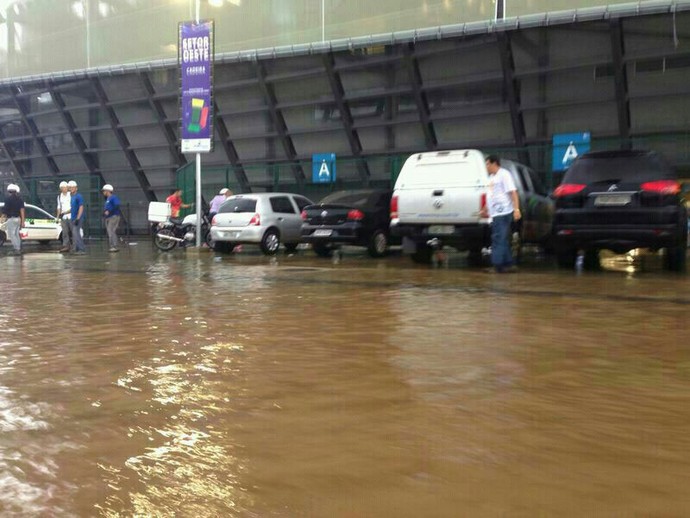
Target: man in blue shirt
(111, 213)
(77, 220)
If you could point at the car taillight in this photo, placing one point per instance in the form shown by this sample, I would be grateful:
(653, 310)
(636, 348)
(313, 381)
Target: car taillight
(304, 215)
(394, 206)
(482, 202)
(662, 187)
(256, 220)
(355, 215)
(568, 189)
(213, 221)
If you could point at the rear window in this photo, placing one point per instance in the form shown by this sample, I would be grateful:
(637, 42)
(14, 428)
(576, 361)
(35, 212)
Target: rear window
(355, 199)
(238, 205)
(641, 167)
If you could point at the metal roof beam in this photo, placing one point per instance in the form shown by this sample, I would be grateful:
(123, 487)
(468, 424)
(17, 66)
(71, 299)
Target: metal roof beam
(512, 90)
(230, 150)
(124, 141)
(279, 122)
(415, 77)
(71, 126)
(346, 116)
(29, 123)
(620, 76)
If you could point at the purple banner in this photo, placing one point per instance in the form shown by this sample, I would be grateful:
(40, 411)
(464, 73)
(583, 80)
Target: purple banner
(195, 55)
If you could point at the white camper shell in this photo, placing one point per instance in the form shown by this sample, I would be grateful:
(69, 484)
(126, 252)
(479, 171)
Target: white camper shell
(440, 195)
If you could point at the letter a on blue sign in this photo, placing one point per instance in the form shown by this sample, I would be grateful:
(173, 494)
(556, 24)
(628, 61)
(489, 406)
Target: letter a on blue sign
(567, 147)
(323, 168)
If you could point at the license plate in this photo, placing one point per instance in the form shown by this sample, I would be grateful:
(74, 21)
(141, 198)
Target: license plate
(322, 233)
(441, 229)
(612, 200)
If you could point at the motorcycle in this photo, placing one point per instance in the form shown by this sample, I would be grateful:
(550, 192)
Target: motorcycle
(181, 232)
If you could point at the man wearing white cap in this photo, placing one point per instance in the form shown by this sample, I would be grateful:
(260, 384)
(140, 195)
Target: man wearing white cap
(64, 209)
(14, 210)
(77, 218)
(111, 213)
(217, 201)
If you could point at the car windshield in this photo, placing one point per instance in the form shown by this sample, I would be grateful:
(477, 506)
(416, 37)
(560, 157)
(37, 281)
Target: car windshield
(238, 205)
(627, 168)
(352, 199)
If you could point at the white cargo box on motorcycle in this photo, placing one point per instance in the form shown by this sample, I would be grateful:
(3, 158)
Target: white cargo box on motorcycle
(159, 212)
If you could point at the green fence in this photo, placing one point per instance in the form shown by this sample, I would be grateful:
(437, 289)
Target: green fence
(382, 170)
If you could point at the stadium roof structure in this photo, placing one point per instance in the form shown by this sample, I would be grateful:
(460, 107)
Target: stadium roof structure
(547, 19)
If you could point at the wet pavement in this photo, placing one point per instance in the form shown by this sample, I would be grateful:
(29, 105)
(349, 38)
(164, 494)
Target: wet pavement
(189, 384)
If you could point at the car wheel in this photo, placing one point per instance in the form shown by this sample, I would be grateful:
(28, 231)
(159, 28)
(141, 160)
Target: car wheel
(475, 257)
(162, 243)
(290, 248)
(566, 258)
(676, 256)
(378, 244)
(270, 243)
(3, 237)
(422, 255)
(591, 260)
(208, 239)
(322, 250)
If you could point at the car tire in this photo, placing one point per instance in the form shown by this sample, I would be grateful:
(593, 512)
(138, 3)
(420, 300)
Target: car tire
(322, 250)
(164, 244)
(290, 248)
(566, 258)
(378, 244)
(3, 237)
(676, 256)
(270, 243)
(422, 255)
(591, 260)
(475, 257)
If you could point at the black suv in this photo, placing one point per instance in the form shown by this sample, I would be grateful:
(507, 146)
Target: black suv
(620, 200)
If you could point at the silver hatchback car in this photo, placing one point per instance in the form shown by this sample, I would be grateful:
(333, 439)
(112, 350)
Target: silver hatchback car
(266, 219)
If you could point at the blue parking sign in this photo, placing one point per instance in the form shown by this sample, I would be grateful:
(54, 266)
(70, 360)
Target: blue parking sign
(323, 168)
(567, 147)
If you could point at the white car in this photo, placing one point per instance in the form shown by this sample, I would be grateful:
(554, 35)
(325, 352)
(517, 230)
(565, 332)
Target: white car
(266, 219)
(39, 225)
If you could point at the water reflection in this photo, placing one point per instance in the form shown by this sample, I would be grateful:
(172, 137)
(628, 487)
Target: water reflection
(160, 384)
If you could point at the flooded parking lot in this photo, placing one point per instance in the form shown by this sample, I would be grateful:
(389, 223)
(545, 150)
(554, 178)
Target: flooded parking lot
(152, 384)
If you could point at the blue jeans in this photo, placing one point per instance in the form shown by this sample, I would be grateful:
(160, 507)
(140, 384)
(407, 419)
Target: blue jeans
(501, 253)
(77, 237)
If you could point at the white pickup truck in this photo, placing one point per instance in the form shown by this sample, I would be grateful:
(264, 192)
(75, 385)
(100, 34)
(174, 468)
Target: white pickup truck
(438, 197)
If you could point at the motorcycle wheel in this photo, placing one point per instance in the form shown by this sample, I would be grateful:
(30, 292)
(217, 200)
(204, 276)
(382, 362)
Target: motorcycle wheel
(164, 244)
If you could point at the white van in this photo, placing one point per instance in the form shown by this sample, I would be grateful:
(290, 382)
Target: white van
(438, 198)
(440, 195)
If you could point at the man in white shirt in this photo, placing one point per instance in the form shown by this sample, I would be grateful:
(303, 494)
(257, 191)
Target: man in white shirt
(64, 209)
(503, 208)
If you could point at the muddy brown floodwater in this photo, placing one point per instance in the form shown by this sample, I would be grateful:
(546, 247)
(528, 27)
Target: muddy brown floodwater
(153, 384)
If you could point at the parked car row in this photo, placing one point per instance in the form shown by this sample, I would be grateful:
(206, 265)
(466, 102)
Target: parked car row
(616, 200)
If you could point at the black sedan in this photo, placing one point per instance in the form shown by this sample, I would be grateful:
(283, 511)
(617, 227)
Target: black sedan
(360, 218)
